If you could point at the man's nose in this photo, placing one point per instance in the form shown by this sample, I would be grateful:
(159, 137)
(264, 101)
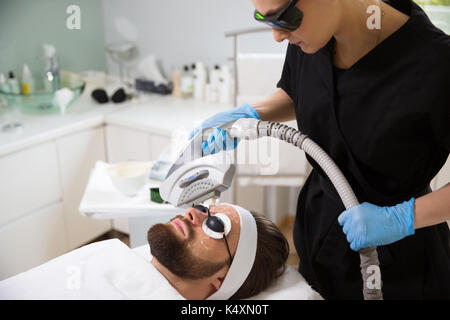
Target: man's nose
(280, 35)
(195, 216)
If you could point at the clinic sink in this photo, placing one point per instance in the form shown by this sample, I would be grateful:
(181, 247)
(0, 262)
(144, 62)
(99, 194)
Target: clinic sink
(44, 99)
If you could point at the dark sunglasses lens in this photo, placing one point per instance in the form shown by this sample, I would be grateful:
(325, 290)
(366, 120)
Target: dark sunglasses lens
(215, 224)
(292, 18)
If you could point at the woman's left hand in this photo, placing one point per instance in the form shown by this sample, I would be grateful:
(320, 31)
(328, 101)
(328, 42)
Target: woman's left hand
(368, 225)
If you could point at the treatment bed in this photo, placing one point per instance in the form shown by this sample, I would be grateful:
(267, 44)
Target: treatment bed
(111, 270)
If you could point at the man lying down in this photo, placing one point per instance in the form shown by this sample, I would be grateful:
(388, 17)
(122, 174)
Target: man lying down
(188, 260)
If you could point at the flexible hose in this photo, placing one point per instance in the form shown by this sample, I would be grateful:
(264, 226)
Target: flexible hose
(369, 256)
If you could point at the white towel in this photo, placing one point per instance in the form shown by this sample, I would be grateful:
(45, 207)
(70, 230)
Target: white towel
(102, 270)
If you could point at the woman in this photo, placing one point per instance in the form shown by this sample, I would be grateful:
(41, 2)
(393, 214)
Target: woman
(377, 101)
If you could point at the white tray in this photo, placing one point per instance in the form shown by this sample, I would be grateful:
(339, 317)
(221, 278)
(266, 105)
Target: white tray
(101, 200)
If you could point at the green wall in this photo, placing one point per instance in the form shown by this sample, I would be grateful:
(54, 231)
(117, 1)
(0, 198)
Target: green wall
(25, 25)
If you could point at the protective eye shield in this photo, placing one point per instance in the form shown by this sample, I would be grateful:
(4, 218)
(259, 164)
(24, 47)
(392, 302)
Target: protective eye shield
(288, 17)
(216, 226)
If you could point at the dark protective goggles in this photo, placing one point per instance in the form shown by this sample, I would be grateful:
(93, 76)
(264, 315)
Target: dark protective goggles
(216, 225)
(287, 18)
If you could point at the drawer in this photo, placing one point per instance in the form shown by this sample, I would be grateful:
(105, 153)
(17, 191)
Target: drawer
(29, 181)
(32, 240)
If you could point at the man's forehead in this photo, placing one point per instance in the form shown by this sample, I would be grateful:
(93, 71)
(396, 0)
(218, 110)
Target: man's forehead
(223, 208)
(268, 7)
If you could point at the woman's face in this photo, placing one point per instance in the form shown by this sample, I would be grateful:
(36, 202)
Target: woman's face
(317, 27)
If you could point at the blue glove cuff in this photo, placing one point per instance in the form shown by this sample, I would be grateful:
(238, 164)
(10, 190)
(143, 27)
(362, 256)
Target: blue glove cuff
(248, 111)
(407, 210)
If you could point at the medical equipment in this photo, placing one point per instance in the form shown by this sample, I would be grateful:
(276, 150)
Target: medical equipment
(193, 179)
(288, 17)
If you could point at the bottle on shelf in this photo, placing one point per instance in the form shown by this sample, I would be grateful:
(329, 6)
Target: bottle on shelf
(13, 83)
(226, 85)
(27, 80)
(186, 82)
(212, 92)
(4, 87)
(200, 78)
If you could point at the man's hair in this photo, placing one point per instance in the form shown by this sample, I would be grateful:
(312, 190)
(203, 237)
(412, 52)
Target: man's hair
(272, 252)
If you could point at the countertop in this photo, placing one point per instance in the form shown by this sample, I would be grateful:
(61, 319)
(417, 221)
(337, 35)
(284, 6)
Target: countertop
(164, 114)
(151, 113)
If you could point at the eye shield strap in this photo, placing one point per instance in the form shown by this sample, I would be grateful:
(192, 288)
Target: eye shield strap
(243, 258)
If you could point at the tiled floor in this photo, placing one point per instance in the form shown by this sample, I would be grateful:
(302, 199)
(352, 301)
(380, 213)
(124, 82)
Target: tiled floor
(286, 226)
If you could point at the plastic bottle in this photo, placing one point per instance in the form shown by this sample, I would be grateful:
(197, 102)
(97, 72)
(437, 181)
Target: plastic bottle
(51, 73)
(214, 84)
(4, 87)
(226, 85)
(13, 83)
(186, 83)
(176, 79)
(27, 80)
(200, 78)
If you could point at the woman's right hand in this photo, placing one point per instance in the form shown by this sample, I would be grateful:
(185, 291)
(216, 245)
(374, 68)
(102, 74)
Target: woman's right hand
(219, 139)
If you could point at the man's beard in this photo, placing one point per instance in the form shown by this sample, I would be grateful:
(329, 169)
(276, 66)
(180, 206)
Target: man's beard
(174, 253)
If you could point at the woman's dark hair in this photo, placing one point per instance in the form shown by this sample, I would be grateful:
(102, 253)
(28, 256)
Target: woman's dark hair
(272, 252)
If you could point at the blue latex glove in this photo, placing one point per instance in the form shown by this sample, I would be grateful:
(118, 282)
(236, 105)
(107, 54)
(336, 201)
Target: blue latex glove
(368, 225)
(219, 139)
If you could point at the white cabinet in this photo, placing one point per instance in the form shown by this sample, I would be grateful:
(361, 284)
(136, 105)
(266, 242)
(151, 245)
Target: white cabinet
(40, 192)
(32, 240)
(29, 181)
(78, 154)
(124, 144)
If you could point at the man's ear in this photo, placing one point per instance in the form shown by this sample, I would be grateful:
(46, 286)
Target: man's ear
(217, 283)
(218, 277)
